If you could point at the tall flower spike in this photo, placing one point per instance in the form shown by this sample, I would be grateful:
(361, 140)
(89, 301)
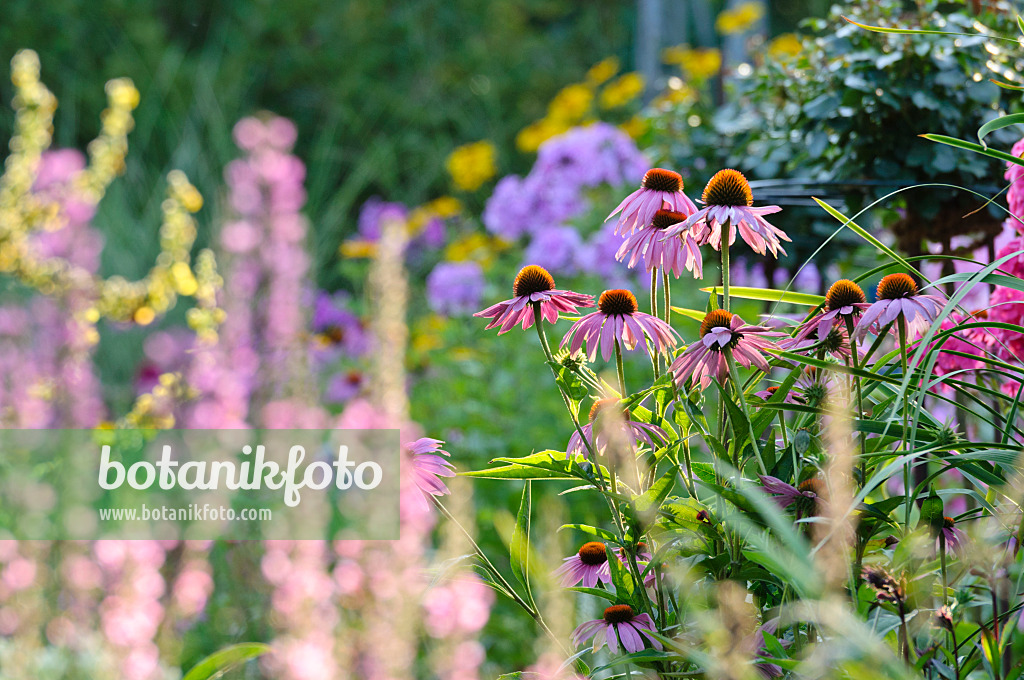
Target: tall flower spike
(617, 320)
(659, 189)
(728, 202)
(533, 284)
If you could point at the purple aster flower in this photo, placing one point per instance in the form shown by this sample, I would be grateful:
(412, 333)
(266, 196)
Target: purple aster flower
(703, 360)
(533, 284)
(659, 189)
(455, 288)
(337, 326)
(898, 298)
(428, 467)
(806, 496)
(617, 320)
(729, 202)
(619, 622)
(590, 156)
(672, 254)
(589, 565)
(844, 300)
(373, 214)
(556, 249)
(342, 387)
(632, 430)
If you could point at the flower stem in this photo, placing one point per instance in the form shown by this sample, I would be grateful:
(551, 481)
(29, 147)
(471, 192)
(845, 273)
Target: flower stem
(735, 374)
(655, 356)
(855, 360)
(619, 369)
(902, 330)
(725, 267)
(668, 296)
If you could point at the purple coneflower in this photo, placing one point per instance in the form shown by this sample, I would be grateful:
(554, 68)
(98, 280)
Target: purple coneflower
(615, 320)
(898, 298)
(704, 359)
(729, 201)
(642, 560)
(667, 254)
(806, 496)
(844, 300)
(428, 467)
(954, 536)
(619, 622)
(836, 343)
(533, 284)
(659, 189)
(589, 565)
(633, 430)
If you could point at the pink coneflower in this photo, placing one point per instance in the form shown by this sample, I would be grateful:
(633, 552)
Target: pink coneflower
(836, 343)
(619, 622)
(617, 320)
(632, 430)
(659, 189)
(642, 560)
(954, 537)
(533, 284)
(844, 300)
(898, 298)
(728, 201)
(589, 565)
(672, 254)
(704, 360)
(428, 467)
(806, 496)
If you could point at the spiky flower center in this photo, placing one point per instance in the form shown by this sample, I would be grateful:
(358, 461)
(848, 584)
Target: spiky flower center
(617, 302)
(895, 286)
(833, 341)
(728, 187)
(659, 179)
(844, 293)
(812, 485)
(532, 279)
(718, 318)
(601, 406)
(593, 553)
(772, 390)
(663, 219)
(618, 613)
(948, 523)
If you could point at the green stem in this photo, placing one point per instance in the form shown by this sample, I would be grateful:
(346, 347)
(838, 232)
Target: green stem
(668, 296)
(725, 266)
(735, 374)
(619, 369)
(855, 360)
(902, 331)
(655, 356)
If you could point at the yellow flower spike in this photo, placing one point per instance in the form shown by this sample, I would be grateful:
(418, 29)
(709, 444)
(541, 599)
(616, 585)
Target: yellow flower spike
(143, 316)
(603, 70)
(184, 281)
(470, 165)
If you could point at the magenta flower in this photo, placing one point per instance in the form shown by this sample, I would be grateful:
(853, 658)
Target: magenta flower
(642, 560)
(618, 623)
(428, 467)
(806, 496)
(589, 565)
(954, 537)
(659, 188)
(844, 300)
(704, 360)
(729, 202)
(617, 319)
(898, 299)
(632, 430)
(672, 254)
(533, 284)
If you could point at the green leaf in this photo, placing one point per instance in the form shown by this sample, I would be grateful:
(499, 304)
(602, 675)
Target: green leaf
(712, 300)
(999, 124)
(541, 465)
(621, 578)
(689, 313)
(916, 31)
(223, 660)
(651, 499)
(970, 146)
(592, 531)
(868, 237)
(771, 295)
(596, 592)
(519, 547)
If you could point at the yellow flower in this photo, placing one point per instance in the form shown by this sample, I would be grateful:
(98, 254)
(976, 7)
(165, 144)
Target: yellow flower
(675, 95)
(426, 334)
(536, 133)
(470, 165)
(740, 19)
(635, 126)
(603, 70)
(699, 64)
(622, 90)
(785, 46)
(357, 248)
(476, 247)
(571, 103)
(445, 207)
